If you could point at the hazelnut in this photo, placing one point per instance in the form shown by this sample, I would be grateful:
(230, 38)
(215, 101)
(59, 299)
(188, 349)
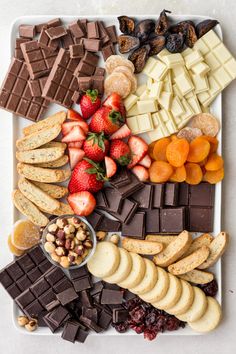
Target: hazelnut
(49, 247)
(79, 250)
(70, 236)
(101, 235)
(22, 320)
(60, 251)
(71, 258)
(72, 253)
(60, 242)
(85, 253)
(61, 223)
(81, 235)
(69, 229)
(67, 244)
(115, 239)
(50, 237)
(88, 244)
(65, 263)
(53, 228)
(55, 257)
(31, 326)
(76, 222)
(78, 260)
(61, 234)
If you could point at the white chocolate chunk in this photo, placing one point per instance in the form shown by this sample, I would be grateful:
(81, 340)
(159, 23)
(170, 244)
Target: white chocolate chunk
(194, 104)
(159, 71)
(173, 60)
(147, 106)
(200, 82)
(140, 90)
(165, 100)
(163, 53)
(212, 61)
(151, 62)
(145, 122)
(186, 52)
(176, 107)
(184, 84)
(200, 69)
(193, 58)
(145, 95)
(133, 111)
(130, 101)
(155, 89)
(211, 39)
(149, 83)
(133, 124)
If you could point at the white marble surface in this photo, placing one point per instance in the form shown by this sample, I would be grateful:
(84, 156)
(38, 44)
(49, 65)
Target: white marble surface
(221, 340)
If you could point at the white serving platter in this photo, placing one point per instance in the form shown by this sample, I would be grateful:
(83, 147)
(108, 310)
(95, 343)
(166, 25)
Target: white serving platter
(19, 123)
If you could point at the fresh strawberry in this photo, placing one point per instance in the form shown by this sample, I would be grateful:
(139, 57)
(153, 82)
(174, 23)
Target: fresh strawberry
(68, 126)
(75, 134)
(82, 203)
(111, 167)
(121, 133)
(89, 103)
(87, 176)
(138, 149)
(146, 161)
(96, 146)
(115, 102)
(74, 115)
(141, 173)
(120, 152)
(76, 144)
(75, 156)
(106, 120)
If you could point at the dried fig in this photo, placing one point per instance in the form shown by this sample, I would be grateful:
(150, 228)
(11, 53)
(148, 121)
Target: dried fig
(162, 24)
(127, 43)
(127, 24)
(139, 57)
(180, 27)
(205, 26)
(143, 29)
(175, 42)
(190, 36)
(156, 44)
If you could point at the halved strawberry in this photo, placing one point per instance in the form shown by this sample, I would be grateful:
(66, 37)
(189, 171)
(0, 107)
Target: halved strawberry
(76, 144)
(141, 173)
(122, 133)
(76, 134)
(138, 148)
(89, 103)
(74, 115)
(82, 203)
(146, 161)
(75, 156)
(115, 102)
(111, 167)
(68, 126)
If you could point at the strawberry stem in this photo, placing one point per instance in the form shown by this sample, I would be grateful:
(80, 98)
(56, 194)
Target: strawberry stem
(93, 94)
(116, 117)
(96, 169)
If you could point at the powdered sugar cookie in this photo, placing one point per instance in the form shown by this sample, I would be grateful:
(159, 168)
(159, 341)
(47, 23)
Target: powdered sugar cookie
(116, 60)
(119, 83)
(125, 70)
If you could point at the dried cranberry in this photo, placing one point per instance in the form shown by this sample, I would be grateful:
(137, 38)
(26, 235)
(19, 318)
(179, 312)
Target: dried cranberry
(150, 334)
(121, 327)
(172, 323)
(151, 318)
(131, 304)
(138, 329)
(137, 314)
(210, 289)
(160, 323)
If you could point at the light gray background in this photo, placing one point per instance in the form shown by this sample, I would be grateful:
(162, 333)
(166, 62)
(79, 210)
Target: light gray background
(221, 340)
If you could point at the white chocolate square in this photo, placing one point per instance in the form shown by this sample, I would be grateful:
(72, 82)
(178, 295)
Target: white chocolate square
(230, 66)
(184, 84)
(151, 62)
(155, 89)
(176, 107)
(165, 100)
(194, 104)
(211, 39)
(141, 90)
(193, 58)
(212, 61)
(159, 71)
(222, 53)
(186, 52)
(145, 95)
(173, 60)
(178, 70)
(200, 83)
(162, 53)
(133, 111)
(147, 106)
(133, 124)
(130, 101)
(201, 46)
(156, 134)
(145, 122)
(222, 77)
(171, 127)
(200, 69)
(149, 82)
(176, 91)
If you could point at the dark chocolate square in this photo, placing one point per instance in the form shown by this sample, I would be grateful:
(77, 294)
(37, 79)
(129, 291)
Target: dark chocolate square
(13, 290)
(25, 298)
(111, 297)
(58, 315)
(130, 188)
(79, 272)
(26, 263)
(136, 227)
(33, 309)
(183, 193)
(201, 219)
(47, 297)
(85, 298)
(70, 330)
(23, 283)
(82, 284)
(121, 178)
(5, 278)
(81, 336)
(144, 196)
(90, 324)
(34, 275)
(52, 305)
(62, 285)
(53, 327)
(40, 287)
(15, 271)
(109, 225)
(171, 194)
(37, 254)
(152, 221)
(202, 195)
(119, 315)
(95, 219)
(91, 313)
(67, 296)
(54, 275)
(104, 319)
(114, 199)
(127, 211)
(172, 220)
(101, 200)
(158, 195)
(45, 265)
(97, 288)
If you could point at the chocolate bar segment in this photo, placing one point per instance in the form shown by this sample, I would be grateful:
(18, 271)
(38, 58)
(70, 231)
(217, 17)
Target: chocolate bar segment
(152, 221)
(56, 32)
(77, 29)
(70, 330)
(47, 43)
(144, 196)
(76, 50)
(93, 30)
(136, 227)
(172, 220)
(202, 195)
(18, 52)
(171, 194)
(201, 219)
(36, 86)
(27, 31)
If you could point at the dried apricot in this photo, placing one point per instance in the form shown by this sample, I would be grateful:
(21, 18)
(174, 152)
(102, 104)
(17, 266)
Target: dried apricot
(25, 235)
(177, 152)
(173, 137)
(160, 171)
(179, 174)
(193, 173)
(214, 177)
(214, 162)
(150, 149)
(213, 142)
(199, 149)
(159, 151)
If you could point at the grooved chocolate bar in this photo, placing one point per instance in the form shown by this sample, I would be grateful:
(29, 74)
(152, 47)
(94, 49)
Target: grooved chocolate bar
(15, 95)
(61, 83)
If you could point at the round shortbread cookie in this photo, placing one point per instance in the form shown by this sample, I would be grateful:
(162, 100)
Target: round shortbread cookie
(160, 288)
(185, 301)
(119, 83)
(137, 272)
(149, 280)
(116, 60)
(172, 296)
(125, 70)
(123, 269)
(105, 260)
(210, 319)
(197, 309)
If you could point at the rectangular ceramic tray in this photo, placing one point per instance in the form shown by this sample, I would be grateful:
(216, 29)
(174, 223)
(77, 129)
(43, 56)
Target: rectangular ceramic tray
(19, 123)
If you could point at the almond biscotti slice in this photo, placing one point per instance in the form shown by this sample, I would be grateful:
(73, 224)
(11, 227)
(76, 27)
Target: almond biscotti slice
(62, 161)
(217, 248)
(53, 190)
(57, 118)
(197, 276)
(55, 144)
(40, 155)
(40, 174)
(141, 246)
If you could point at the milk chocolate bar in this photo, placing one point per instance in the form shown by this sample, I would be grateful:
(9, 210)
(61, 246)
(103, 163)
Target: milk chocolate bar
(27, 31)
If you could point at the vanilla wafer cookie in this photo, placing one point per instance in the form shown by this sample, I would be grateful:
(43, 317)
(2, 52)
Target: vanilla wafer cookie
(119, 83)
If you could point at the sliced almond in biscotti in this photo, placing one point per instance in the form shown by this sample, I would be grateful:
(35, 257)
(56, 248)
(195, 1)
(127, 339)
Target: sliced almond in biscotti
(41, 174)
(202, 240)
(137, 272)
(141, 246)
(185, 300)
(210, 319)
(105, 260)
(174, 250)
(38, 138)
(197, 276)
(160, 288)
(57, 118)
(217, 248)
(190, 262)
(37, 196)
(53, 190)
(55, 164)
(149, 279)
(172, 296)
(40, 155)
(165, 240)
(55, 144)
(198, 307)
(27, 208)
(123, 269)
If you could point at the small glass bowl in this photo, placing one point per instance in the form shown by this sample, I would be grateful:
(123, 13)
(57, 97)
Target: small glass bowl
(92, 236)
